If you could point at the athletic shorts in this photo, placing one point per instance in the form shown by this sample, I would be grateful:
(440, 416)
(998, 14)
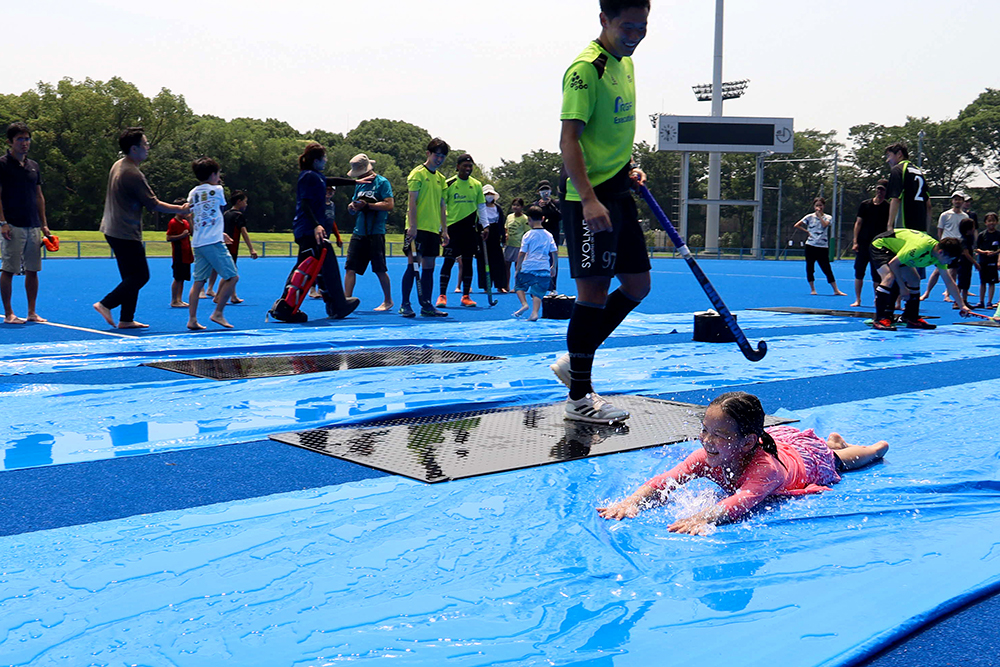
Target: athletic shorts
(963, 274)
(428, 244)
(365, 250)
(182, 271)
(988, 274)
(535, 283)
(213, 256)
(510, 253)
(881, 256)
(463, 239)
(622, 249)
(24, 250)
(863, 263)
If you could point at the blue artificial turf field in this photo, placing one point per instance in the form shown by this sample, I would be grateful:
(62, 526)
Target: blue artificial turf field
(148, 520)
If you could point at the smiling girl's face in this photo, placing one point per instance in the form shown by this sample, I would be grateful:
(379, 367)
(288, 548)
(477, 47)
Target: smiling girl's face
(720, 438)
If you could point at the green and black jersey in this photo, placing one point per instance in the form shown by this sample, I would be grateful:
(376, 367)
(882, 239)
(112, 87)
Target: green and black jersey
(599, 90)
(906, 183)
(462, 198)
(911, 247)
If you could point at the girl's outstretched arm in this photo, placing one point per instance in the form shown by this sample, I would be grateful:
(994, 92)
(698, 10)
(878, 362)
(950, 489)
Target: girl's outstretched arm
(644, 497)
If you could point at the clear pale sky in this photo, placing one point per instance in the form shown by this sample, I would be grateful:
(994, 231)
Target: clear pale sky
(486, 75)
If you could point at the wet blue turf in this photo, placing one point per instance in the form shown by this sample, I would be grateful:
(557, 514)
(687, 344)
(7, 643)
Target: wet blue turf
(346, 562)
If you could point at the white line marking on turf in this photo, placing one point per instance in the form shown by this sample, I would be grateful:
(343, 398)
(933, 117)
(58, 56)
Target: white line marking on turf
(67, 326)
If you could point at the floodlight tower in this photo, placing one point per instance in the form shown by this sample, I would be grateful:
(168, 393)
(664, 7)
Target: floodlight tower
(716, 92)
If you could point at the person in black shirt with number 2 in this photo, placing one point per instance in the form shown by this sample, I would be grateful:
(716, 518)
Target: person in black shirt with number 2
(907, 190)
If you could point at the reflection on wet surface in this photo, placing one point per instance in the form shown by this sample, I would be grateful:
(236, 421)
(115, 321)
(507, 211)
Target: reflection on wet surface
(445, 447)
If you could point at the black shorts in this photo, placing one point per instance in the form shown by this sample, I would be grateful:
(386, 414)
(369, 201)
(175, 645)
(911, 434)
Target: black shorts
(863, 262)
(463, 239)
(963, 274)
(619, 250)
(881, 256)
(182, 271)
(988, 274)
(365, 250)
(428, 244)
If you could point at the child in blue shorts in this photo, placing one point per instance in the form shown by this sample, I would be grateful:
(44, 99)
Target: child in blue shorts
(209, 241)
(536, 264)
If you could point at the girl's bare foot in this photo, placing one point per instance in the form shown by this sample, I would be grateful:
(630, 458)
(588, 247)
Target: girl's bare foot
(35, 317)
(179, 304)
(839, 293)
(235, 299)
(814, 293)
(880, 447)
(386, 306)
(220, 320)
(14, 319)
(195, 325)
(132, 325)
(105, 313)
(533, 318)
(856, 304)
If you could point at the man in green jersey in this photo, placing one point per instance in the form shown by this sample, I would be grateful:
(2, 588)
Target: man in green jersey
(466, 208)
(600, 219)
(426, 228)
(898, 254)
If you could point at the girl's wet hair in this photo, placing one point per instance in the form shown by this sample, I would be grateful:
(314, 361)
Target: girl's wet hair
(748, 414)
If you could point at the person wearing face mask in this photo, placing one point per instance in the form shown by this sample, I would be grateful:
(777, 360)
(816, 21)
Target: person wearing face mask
(550, 222)
(309, 229)
(495, 235)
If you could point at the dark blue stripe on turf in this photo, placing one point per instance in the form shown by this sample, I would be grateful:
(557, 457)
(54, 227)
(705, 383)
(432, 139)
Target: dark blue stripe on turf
(845, 387)
(80, 493)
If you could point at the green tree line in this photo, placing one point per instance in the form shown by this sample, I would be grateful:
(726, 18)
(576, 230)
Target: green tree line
(75, 125)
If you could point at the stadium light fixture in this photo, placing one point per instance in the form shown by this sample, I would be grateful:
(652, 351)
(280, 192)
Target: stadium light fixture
(730, 90)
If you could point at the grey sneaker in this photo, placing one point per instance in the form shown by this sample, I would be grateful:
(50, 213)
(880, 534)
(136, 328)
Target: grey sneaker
(561, 369)
(406, 310)
(595, 410)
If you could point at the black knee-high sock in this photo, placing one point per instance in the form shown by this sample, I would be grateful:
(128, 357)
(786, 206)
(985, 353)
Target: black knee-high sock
(885, 303)
(911, 310)
(408, 283)
(426, 286)
(618, 307)
(583, 337)
(445, 274)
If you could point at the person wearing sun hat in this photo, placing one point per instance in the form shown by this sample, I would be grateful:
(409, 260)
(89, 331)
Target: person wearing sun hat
(370, 208)
(495, 237)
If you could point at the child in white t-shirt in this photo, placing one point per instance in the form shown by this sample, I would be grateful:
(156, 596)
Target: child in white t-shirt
(536, 264)
(209, 241)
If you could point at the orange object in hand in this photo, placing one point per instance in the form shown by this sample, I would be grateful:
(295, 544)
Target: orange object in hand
(51, 243)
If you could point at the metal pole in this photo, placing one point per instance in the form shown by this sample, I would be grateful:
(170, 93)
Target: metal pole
(759, 208)
(777, 231)
(685, 184)
(715, 159)
(835, 212)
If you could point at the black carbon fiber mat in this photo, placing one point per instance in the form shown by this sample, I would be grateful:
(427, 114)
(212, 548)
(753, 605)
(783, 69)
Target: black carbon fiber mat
(453, 446)
(238, 368)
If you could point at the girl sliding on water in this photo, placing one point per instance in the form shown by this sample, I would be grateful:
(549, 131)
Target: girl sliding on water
(750, 463)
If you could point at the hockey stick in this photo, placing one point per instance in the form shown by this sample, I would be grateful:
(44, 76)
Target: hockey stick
(973, 313)
(713, 296)
(486, 264)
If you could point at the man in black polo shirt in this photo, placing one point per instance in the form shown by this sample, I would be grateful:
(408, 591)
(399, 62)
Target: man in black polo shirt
(873, 217)
(22, 221)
